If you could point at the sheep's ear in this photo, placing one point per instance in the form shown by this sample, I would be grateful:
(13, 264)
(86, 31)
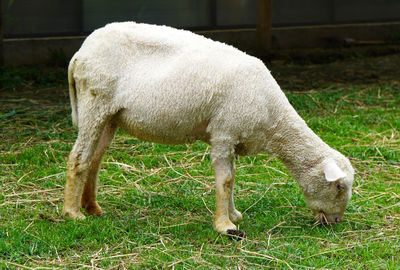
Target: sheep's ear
(332, 171)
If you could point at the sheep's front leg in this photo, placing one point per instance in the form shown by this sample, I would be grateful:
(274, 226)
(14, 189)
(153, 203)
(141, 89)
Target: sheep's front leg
(222, 159)
(234, 215)
(224, 186)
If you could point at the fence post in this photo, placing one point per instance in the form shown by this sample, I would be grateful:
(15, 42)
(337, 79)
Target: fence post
(1, 34)
(264, 21)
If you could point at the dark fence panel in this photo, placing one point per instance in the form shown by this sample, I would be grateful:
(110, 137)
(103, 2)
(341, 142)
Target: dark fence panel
(236, 13)
(304, 12)
(178, 13)
(366, 11)
(41, 17)
(24, 18)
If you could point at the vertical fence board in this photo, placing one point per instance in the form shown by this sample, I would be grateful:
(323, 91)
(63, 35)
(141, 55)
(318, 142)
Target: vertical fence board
(1, 34)
(264, 14)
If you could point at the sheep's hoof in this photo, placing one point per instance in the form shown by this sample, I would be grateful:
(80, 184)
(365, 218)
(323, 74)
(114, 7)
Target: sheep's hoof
(93, 209)
(73, 214)
(237, 235)
(235, 216)
(222, 225)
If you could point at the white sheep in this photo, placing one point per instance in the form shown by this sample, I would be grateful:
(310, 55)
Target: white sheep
(171, 86)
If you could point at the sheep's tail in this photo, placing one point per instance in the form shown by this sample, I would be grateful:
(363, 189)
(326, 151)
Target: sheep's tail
(72, 92)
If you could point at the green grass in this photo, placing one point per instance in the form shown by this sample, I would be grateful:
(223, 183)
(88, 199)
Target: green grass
(159, 199)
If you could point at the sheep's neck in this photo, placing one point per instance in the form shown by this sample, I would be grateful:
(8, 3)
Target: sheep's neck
(293, 142)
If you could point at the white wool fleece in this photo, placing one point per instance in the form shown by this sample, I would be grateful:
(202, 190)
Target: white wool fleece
(170, 81)
(171, 86)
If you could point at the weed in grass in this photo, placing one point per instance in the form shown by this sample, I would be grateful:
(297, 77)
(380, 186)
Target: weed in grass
(159, 199)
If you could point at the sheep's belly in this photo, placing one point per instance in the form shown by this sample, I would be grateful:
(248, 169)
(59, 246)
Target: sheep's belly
(165, 131)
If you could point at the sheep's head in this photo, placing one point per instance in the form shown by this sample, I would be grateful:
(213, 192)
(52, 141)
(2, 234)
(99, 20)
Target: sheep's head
(327, 188)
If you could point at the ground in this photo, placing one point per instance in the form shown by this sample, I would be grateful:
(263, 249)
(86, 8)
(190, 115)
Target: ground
(159, 199)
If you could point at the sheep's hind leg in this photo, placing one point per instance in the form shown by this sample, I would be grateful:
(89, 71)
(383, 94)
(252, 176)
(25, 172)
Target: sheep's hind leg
(222, 159)
(88, 201)
(79, 161)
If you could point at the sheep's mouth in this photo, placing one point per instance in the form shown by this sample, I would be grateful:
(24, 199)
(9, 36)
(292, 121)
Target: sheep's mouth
(323, 219)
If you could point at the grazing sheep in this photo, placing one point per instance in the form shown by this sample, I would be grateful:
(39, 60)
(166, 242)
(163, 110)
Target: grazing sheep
(172, 86)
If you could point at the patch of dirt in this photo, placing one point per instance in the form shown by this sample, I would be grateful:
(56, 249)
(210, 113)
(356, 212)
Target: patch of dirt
(354, 71)
(34, 96)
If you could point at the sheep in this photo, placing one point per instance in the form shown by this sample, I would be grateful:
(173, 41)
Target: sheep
(172, 86)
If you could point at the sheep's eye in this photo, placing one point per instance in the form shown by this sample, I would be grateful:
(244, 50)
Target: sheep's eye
(340, 187)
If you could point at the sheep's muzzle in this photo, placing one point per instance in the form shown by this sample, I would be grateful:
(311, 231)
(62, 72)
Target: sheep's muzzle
(322, 218)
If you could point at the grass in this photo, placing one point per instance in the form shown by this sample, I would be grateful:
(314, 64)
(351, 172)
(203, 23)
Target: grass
(159, 199)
